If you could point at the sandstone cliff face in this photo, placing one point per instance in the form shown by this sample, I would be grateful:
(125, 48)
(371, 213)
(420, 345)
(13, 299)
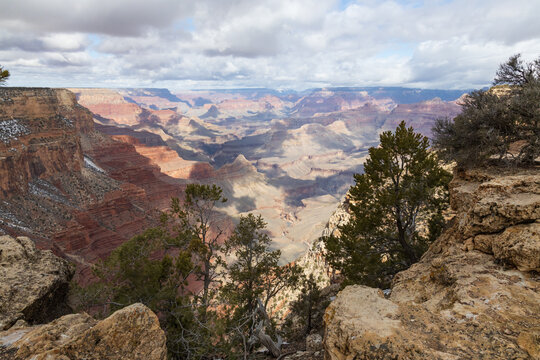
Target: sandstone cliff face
(475, 294)
(33, 283)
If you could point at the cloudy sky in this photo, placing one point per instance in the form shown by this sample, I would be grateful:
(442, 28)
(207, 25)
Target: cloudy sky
(181, 44)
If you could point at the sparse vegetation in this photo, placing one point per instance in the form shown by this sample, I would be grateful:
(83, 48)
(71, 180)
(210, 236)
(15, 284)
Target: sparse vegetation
(163, 267)
(308, 310)
(254, 278)
(501, 124)
(396, 210)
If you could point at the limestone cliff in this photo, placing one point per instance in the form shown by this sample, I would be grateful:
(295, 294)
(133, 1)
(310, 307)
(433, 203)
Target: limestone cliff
(475, 294)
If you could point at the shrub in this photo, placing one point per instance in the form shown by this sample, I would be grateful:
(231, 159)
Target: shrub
(501, 124)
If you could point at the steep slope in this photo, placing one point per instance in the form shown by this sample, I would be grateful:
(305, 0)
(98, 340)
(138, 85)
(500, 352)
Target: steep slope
(72, 189)
(475, 294)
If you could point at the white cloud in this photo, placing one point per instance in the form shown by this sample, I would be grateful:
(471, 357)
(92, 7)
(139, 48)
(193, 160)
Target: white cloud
(274, 43)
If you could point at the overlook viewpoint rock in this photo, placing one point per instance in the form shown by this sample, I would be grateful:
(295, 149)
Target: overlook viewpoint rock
(130, 333)
(475, 294)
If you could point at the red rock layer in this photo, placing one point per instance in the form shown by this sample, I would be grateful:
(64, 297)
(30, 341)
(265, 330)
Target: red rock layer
(109, 104)
(123, 163)
(78, 212)
(39, 136)
(168, 160)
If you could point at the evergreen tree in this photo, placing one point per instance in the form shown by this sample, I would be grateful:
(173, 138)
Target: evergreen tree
(4, 75)
(492, 120)
(402, 186)
(197, 222)
(254, 278)
(309, 308)
(154, 267)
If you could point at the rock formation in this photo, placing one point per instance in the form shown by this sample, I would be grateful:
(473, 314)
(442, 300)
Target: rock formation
(33, 291)
(475, 294)
(130, 333)
(39, 135)
(34, 283)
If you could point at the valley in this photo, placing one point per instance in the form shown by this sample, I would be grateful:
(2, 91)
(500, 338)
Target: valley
(289, 156)
(85, 170)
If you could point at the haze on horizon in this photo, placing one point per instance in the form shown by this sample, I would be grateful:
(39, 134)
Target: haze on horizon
(446, 44)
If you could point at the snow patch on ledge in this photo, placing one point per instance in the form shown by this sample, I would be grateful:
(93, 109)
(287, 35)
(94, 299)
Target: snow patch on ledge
(92, 165)
(11, 129)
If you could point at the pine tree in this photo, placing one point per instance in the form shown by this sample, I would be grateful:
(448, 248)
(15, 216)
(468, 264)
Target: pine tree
(492, 120)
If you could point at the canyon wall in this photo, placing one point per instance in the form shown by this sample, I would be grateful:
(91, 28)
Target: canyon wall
(39, 136)
(71, 188)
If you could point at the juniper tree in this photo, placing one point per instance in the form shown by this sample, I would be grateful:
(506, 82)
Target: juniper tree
(254, 278)
(197, 222)
(492, 120)
(154, 268)
(151, 268)
(401, 187)
(308, 309)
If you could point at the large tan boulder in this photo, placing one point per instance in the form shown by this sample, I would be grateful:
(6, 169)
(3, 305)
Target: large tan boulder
(475, 294)
(33, 283)
(130, 333)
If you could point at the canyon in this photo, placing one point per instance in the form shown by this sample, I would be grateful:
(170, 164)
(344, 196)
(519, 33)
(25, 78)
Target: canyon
(289, 156)
(83, 170)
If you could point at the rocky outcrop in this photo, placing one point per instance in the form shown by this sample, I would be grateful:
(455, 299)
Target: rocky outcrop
(34, 283)
(475, 294)
(33, 291)
(130, 333)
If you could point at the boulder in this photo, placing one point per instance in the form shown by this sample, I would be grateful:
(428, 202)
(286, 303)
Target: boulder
(475, 294)
(34, 283)
(130, 333)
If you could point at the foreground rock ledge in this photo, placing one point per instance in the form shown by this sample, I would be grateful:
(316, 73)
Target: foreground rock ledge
(130, 333)
(33, 283)
(475, 294)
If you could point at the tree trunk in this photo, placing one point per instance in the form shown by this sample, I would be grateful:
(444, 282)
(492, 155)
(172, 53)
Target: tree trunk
(267, 342)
